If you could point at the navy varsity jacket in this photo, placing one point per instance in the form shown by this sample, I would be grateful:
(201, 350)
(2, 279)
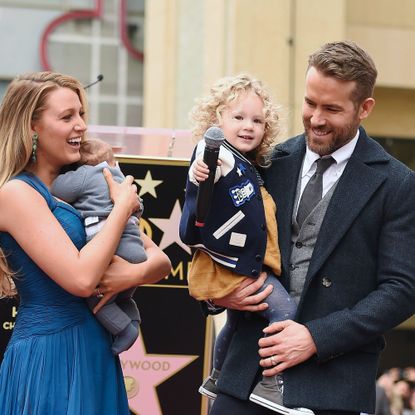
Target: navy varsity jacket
(234, 234)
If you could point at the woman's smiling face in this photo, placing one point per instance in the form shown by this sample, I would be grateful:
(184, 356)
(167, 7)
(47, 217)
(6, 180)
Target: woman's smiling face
(60, 128)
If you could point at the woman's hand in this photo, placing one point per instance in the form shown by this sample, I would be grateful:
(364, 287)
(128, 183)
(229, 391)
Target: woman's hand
(246, 296)
(122, 275)
(124, 193)
(115, 279)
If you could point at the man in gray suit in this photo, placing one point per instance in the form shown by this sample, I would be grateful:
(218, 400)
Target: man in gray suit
(348, 258)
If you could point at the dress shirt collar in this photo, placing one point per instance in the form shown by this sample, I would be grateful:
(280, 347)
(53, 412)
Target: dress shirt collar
(341, 155)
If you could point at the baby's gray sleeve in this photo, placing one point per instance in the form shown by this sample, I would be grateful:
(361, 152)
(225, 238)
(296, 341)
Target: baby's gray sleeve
(68, 186)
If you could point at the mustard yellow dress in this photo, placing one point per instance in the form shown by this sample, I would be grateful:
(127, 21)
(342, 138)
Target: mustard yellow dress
(208, 280)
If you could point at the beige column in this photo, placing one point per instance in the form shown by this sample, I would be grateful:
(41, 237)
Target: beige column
(160, 44)
(191, 43)
(316, 22)
(259, 38)
(184, 41)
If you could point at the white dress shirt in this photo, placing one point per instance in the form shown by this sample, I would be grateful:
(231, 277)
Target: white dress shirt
(333, 173)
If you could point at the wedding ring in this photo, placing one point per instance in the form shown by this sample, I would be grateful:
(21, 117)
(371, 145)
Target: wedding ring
(98, 293)
(273, 362)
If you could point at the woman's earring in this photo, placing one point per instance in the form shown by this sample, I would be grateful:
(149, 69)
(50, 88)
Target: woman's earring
(35, 137)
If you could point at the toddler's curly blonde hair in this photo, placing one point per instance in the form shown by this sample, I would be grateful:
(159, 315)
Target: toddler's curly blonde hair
(208, 112)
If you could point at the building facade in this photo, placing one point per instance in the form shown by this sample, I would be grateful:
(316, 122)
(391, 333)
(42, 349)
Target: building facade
(189, 44)
(156, 56)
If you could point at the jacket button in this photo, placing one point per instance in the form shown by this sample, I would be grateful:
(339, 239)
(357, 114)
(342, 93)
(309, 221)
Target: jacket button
(263, 227)
(254, 272)
(326, 282)
(299, 244)
(292, 267)
(258, 258)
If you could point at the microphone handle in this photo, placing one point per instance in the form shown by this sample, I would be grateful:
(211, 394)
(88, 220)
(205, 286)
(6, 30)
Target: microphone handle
(204, 194)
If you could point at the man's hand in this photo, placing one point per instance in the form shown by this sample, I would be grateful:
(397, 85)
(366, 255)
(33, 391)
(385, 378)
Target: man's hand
(246, 297)
(287, 344)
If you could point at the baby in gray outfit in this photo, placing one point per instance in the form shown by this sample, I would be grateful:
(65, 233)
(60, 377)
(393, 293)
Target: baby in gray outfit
(87, 191)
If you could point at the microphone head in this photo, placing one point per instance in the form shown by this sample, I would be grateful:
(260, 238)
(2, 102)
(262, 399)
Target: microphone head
(214, 137)
(100, 77)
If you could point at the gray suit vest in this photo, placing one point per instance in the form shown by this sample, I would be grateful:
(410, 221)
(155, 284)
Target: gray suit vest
(303, 241)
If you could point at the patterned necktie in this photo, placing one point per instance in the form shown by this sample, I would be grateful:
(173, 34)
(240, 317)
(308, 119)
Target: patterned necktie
(314, 189)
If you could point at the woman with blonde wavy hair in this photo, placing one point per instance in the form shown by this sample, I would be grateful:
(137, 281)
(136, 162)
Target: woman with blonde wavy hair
(58, 360)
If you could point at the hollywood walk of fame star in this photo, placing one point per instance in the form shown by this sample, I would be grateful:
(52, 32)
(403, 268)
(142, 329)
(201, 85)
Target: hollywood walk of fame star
(170, 228)
(143, 372)
(148, 185)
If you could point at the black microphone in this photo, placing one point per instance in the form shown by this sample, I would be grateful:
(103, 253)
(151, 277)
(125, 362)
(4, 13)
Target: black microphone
(213, 139)
(100, 77)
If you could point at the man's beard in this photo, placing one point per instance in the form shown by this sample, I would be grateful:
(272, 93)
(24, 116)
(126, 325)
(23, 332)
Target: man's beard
(339, 137)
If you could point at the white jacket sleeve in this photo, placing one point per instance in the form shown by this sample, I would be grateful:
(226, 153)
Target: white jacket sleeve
(226, 157)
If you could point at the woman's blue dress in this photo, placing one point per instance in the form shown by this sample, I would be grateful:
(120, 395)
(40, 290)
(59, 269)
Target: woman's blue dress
(58, 360)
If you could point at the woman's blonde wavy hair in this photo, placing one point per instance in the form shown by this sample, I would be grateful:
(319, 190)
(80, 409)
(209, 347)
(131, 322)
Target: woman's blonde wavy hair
(208, 112)
(23, 103)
